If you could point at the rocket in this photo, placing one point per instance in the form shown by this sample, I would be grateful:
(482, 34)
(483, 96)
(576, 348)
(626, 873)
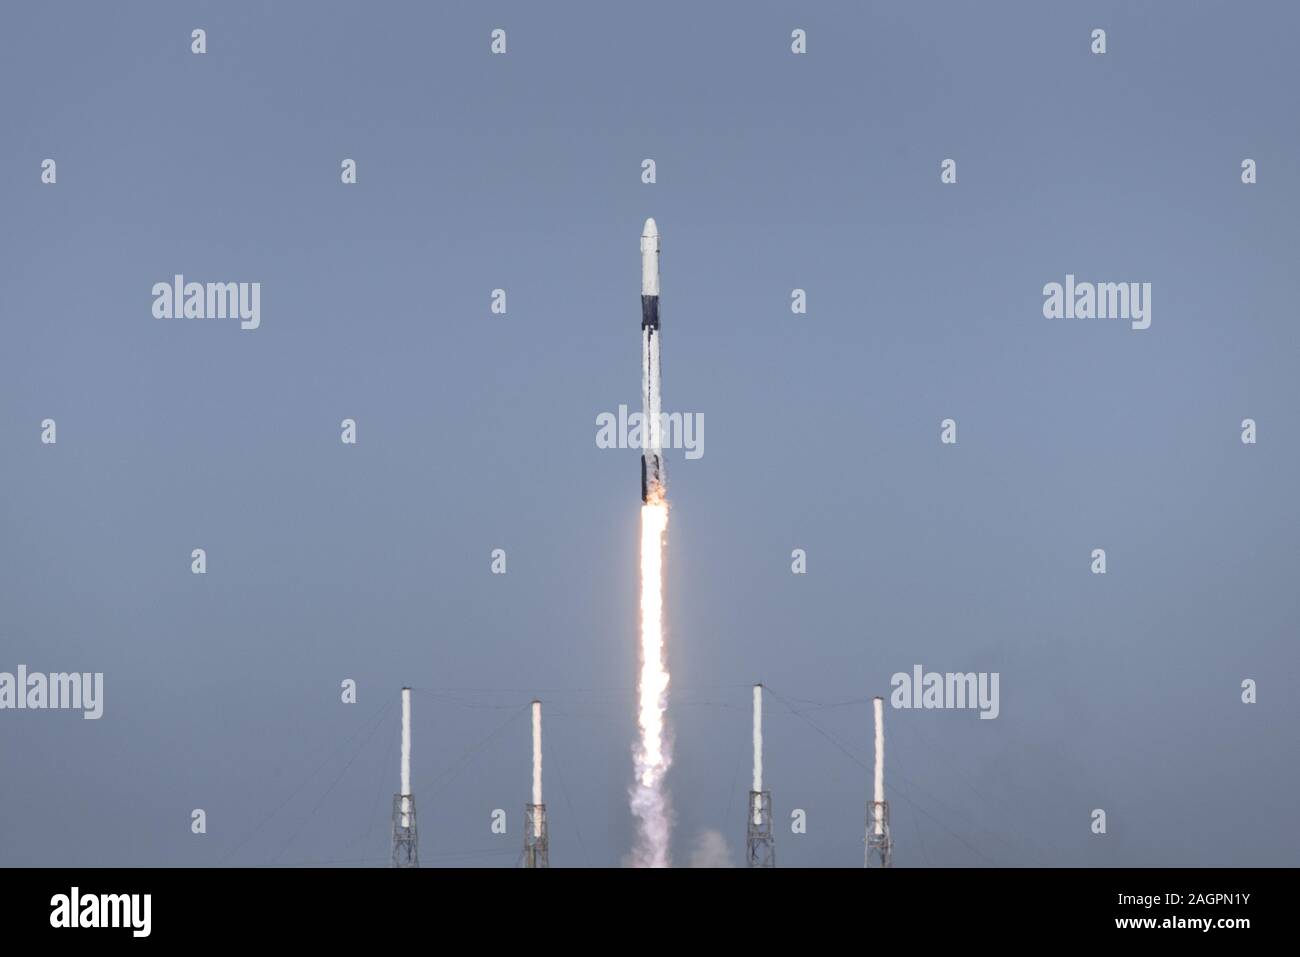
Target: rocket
(652, 468)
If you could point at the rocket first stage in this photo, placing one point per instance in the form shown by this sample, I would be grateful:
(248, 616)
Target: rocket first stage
(652, 754)
(652, 469)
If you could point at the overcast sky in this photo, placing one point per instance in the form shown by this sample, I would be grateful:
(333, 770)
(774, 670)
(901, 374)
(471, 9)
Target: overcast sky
(476, 431)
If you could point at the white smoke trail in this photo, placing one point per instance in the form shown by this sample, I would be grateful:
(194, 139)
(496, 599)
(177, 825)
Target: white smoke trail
(710, 850)
(651, 755)
(537, 766)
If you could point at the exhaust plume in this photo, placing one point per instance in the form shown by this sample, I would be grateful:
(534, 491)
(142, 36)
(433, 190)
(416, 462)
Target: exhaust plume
(711, 850)
(651, 755)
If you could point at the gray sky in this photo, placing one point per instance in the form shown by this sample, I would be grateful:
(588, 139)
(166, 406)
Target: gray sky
(476, 431)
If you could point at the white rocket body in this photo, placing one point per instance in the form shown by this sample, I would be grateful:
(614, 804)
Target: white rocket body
(652, 476)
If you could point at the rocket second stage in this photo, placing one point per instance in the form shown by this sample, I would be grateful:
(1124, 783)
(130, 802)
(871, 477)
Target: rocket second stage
(652, 470)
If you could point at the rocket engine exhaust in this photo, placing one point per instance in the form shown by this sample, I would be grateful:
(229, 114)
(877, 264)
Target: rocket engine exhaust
(651, 754)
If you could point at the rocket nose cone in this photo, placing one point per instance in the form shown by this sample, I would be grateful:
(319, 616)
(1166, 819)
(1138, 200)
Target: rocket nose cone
(650, 228)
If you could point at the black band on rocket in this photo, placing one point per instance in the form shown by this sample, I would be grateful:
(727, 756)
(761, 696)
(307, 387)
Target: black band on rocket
(649, 312)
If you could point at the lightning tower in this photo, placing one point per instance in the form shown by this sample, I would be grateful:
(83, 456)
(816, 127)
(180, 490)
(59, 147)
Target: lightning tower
(880, 845)
(537, 841)
(760, 841)
(406, 842)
